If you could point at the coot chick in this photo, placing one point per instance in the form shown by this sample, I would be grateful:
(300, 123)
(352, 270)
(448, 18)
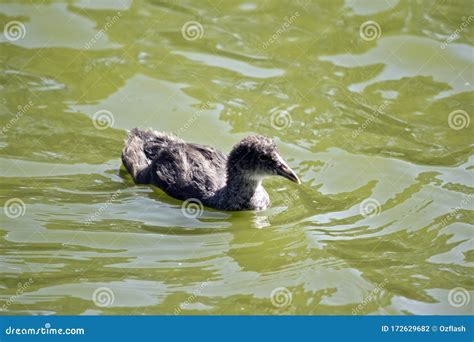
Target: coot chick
(192, 171)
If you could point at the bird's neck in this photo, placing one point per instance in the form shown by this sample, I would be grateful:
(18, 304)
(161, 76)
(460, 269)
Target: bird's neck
(240, 189)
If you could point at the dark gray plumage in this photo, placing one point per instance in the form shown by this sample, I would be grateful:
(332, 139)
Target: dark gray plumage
(192, 171)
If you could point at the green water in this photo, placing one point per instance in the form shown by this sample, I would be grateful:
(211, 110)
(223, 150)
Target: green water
(365, 123)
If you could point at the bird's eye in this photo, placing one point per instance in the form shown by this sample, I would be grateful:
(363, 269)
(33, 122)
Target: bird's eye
(264, 157)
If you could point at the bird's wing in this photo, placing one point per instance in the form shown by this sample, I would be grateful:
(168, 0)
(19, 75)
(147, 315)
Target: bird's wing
(188, 170)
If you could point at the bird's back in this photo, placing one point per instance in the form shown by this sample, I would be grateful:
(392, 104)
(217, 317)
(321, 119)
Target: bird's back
(183, 170)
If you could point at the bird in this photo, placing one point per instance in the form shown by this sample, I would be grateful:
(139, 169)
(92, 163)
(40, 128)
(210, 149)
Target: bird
(190, 171)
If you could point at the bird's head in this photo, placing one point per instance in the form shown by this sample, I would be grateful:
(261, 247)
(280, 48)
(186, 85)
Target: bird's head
(257, 157)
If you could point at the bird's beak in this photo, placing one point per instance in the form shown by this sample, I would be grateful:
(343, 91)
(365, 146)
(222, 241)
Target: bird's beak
(285, 171)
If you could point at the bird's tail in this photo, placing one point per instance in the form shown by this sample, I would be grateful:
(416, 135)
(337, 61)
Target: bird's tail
(134, 158)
